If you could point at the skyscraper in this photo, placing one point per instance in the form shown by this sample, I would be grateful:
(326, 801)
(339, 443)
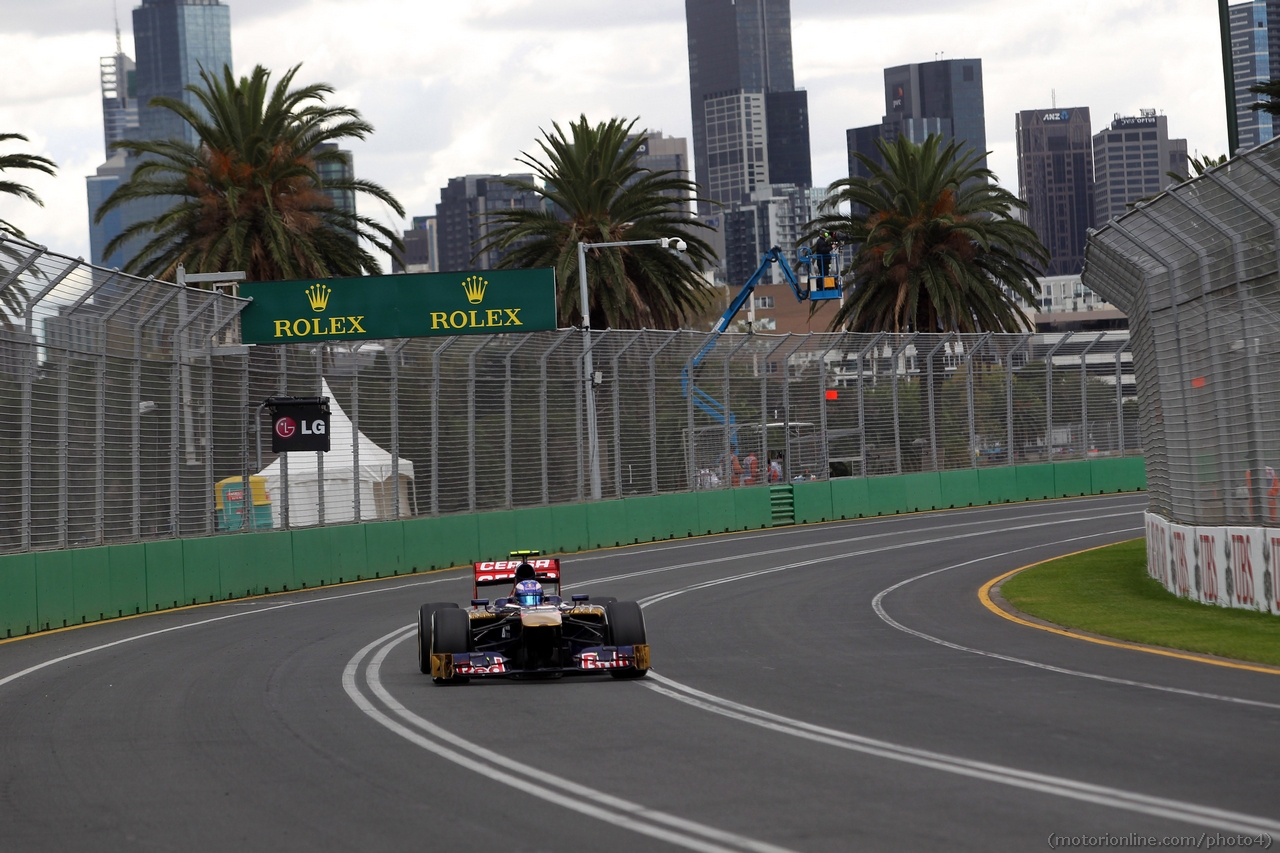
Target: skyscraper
(173, 40)
(461, 221)
(926, 98)
(750, 123)
(774, 216)
(660, 153)
(342, 171)
(1131, 160)
(420, 248)
(1255, 53)
(118, 80)
(1055, 179)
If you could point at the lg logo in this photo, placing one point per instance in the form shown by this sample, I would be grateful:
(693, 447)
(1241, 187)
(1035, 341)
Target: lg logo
(286, 427)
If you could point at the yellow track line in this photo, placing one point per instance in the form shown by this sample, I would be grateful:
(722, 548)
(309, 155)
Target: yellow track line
(984, 595)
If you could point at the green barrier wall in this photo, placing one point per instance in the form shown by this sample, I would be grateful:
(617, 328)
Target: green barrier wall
(50, 589)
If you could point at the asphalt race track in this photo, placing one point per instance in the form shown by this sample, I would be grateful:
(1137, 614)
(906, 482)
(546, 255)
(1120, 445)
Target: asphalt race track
(794, 705)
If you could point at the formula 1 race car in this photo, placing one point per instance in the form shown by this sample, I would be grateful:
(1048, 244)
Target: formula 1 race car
(532, 631)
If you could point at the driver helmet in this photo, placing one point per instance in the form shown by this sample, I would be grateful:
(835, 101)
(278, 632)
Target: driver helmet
(528, 593)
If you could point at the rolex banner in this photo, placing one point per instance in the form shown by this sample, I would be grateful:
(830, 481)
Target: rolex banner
(399, 306)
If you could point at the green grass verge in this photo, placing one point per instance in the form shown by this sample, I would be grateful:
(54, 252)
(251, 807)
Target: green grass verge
(1108, 592)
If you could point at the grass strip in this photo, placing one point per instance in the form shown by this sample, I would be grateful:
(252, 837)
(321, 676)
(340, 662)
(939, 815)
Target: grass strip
(1107, 591)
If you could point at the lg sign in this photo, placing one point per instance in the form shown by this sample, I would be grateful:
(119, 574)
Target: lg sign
(299, 427)
(287, 427)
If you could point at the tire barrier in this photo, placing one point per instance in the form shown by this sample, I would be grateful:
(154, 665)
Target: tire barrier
(1219, 566)
(46, 590)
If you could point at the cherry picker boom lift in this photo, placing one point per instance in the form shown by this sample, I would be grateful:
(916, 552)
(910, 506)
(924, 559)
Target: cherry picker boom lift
(821, 281)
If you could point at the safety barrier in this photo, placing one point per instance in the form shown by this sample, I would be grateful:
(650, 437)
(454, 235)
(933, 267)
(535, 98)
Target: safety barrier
(52, 589)
(1220, 566)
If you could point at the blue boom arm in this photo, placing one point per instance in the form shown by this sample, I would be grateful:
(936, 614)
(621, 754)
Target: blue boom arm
(701, 399)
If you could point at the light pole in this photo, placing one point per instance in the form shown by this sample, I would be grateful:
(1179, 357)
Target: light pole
(672, 244)
(1228, 78)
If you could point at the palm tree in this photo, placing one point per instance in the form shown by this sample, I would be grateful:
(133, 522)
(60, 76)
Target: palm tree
(938, 249)
(594, 191)
(249, 196)
(21, 161)
(13, 299)
(1199, 165)
(1271, 89)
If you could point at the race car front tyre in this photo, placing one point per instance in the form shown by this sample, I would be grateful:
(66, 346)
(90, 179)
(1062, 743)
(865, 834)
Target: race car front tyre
(424, 633)
(626, 628)
(450, 634)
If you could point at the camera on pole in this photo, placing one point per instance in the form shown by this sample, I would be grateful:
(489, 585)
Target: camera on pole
(298, 423)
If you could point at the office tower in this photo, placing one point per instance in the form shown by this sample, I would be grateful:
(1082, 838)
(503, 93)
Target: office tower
(119, 97)
(420, 252)
(740, 71)
(173, 40)
(340, 171)
(99, 187)
(659, 153)
(923, 99)
(774, 215)
(1255, 53)
(462, 222)
(1055, 179)
(787, 133)
(1131, 160)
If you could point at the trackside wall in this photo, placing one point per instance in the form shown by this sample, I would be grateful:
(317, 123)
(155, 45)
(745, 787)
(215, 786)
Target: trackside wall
(44, 590)
(1221, 566)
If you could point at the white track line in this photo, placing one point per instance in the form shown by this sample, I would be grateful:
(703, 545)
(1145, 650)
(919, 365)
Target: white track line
(662, 596)
(647, 548)
(1113, 797)
(1219, 819)
(877, 604)
(833, 542)
(52, 661)
(532, 780)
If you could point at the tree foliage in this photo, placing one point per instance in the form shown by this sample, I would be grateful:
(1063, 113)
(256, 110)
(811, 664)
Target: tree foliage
(249, 196)
(594, 191)
(938, 247)
(1271, 89)
(13, 299)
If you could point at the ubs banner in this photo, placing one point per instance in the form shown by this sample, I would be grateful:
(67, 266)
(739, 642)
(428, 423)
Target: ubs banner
(399, 306)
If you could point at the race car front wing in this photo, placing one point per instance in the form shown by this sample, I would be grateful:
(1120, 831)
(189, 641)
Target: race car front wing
(488, 664)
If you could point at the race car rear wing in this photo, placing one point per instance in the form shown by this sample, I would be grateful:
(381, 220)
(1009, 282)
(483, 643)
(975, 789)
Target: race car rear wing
(545, 570)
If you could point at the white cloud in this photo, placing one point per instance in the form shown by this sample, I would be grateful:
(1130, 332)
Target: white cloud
(463, 87)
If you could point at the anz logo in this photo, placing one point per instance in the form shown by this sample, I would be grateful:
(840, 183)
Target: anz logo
(1065, 115)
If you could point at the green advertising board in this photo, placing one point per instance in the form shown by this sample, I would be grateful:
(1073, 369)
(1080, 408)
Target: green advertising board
(399, 306)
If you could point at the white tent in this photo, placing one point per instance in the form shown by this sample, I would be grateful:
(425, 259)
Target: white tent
(340, 478)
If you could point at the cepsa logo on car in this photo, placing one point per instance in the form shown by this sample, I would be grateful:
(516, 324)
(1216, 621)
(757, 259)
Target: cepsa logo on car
(506, 569)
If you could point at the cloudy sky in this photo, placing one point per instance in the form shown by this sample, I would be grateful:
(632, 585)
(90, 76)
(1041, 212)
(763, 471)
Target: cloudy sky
(464, 86)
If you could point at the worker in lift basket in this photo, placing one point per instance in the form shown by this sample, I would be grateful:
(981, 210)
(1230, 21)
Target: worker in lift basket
(822, 251)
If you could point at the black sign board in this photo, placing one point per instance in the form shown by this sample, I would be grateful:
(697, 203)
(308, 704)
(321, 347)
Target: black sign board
(299, 424)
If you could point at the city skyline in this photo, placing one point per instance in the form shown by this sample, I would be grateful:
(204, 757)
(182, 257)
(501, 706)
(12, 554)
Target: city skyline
(415, 151)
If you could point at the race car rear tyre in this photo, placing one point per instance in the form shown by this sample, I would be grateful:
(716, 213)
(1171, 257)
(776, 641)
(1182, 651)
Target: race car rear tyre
(626, 628)
(424, 633)
(450, 634)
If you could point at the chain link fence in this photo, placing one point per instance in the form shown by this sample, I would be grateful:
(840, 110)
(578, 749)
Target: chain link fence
(129, 412)
(1197, 271)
